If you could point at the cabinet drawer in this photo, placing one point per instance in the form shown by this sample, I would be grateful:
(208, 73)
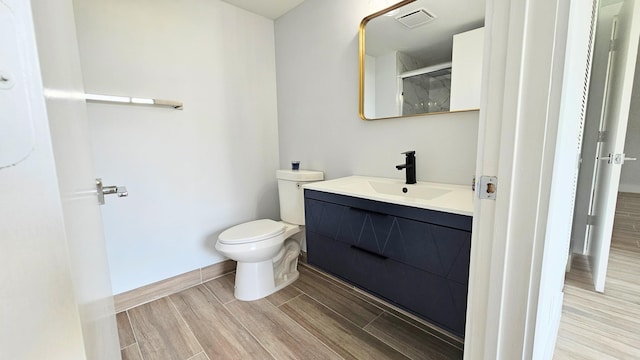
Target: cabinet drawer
(369, 271)
(426, 295)
(437, 249)
(433, 298)
(454, 221)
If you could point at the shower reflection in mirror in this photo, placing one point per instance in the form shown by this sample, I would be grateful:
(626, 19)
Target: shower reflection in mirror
(426, 90)
(421, 57)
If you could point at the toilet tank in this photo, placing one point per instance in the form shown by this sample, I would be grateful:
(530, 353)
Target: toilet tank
(291, 193)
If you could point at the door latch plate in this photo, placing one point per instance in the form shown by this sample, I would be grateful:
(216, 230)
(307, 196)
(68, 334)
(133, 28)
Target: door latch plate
(488, 187)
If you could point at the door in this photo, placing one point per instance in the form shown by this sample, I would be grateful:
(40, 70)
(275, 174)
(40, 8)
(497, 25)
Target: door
(593, 115)
(613, 127)
(59, 65)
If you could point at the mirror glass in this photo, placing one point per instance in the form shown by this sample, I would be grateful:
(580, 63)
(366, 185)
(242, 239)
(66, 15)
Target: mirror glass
(409, 64)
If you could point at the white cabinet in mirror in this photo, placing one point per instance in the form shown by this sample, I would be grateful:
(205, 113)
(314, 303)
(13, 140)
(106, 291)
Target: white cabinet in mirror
(421, 57)
(466, 73)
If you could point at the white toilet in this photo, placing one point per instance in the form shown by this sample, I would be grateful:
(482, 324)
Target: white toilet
(267, 260)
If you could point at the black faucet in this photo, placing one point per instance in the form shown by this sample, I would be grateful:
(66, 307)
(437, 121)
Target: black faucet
(410, 166)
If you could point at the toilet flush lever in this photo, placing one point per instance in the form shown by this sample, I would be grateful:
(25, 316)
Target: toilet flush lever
(121, 191)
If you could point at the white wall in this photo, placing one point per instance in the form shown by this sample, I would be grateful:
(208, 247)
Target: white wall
(192, 173)
(630, 176)
(317, 71)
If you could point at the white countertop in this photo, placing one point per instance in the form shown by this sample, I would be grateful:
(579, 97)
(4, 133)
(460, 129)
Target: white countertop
(455, 199)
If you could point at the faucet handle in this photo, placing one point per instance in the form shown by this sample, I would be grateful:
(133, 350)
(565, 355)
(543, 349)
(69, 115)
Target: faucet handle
(409, 153)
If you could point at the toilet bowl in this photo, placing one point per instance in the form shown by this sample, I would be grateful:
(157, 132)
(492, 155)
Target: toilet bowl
(266, 255)
(259, 247)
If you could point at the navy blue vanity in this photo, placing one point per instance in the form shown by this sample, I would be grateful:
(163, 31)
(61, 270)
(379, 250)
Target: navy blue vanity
(414, 258)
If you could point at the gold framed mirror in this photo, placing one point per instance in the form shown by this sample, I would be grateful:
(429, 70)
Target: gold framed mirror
(420, 57)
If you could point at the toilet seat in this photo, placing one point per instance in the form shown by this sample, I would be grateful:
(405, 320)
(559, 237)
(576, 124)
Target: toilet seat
(251, 231)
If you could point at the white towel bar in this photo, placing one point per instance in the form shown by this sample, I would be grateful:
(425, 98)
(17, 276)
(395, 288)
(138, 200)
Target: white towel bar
(133, 100)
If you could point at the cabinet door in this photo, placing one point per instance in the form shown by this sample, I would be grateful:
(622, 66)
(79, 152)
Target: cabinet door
(364, 229)
(324, 218)
(375, 230)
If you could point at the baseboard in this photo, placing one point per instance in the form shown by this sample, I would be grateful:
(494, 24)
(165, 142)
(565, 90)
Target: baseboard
(172, 285)
(569, 261)
(629, 188)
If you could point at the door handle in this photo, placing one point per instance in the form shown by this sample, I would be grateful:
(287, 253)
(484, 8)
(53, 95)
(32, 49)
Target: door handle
(121, 191)
(617, 159)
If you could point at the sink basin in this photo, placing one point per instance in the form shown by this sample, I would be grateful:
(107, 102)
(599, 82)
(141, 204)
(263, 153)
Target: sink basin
(397, 188)
(456, 199)
(419, 191)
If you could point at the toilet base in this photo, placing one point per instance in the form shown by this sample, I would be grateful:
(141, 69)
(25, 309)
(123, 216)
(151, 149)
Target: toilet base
(257, 280)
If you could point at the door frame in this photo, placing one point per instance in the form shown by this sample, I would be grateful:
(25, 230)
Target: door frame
(519, 120)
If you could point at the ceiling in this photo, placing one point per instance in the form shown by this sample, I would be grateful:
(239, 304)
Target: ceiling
(271, 9)
(431, 42)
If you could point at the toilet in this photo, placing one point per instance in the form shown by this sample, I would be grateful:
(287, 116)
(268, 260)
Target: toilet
(266, 255)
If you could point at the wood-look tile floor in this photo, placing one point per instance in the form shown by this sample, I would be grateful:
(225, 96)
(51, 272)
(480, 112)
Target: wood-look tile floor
(314, 318)
(606, 325)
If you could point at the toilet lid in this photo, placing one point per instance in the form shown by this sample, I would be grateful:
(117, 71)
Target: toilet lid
(251, 231)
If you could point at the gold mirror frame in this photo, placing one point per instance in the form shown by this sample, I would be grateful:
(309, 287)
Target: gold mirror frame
(361, 55)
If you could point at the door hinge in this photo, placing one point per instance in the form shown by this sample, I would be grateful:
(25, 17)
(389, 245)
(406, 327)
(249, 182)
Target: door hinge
(591, 219)
(613, 44)
(488, 187)
(603, 136)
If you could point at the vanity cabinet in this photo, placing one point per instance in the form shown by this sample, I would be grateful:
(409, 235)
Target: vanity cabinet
(415, 258)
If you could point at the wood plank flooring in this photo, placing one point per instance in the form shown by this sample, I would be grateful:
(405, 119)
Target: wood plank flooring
(606, 326)
(320, 318)
(317, 317)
